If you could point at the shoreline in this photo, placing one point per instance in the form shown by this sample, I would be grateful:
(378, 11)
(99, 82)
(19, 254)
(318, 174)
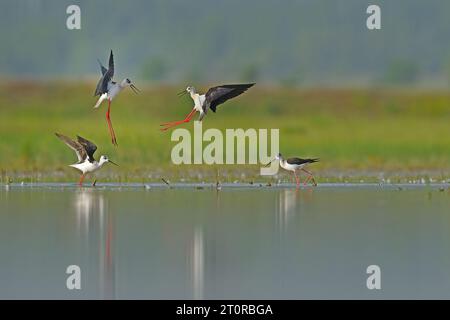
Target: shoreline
(205, 186)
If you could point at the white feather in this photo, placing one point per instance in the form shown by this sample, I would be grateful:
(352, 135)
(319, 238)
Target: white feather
(100, 100)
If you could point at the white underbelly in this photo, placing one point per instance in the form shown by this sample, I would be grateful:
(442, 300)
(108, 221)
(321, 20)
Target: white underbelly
(113, 91)
(198, 103)
(292, 167)
(85, 167)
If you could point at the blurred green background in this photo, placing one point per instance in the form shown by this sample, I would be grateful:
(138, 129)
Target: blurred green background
(370, 104)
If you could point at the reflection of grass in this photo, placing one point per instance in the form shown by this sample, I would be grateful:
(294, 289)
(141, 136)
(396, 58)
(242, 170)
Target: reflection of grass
(361, 130)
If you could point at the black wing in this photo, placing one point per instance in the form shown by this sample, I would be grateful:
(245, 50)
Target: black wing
(102, 68)
(220, 94)
(107, 75)
(299, 161)
(88, 146)
(75, 146)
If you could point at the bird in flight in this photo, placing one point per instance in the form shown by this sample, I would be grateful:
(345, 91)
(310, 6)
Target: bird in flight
(85, 150)
(295, 165)
(213, 97)
(108, 89)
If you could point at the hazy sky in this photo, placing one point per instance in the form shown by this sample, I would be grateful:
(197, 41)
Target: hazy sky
(288, 42)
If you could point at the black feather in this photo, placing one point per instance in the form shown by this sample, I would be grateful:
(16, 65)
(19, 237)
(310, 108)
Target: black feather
(218, 95)
(300, 161)
(107, 75)
(88, 146)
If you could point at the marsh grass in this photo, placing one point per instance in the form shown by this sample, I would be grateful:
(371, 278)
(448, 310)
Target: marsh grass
(355, 133)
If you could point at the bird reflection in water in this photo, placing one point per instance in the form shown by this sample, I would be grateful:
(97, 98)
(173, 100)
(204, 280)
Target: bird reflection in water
(96, 233)
(196, 256)
(290, 203)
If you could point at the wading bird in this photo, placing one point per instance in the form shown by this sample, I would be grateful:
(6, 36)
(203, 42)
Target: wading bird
(295, 165)
(213, 97)
(85, 150)
(107, 89)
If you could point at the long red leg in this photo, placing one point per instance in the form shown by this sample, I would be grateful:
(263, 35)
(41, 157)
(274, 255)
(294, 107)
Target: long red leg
(187, 117)
(296, 179)
(175, 123)
(310, 177)
(111, 129)
(80, 183)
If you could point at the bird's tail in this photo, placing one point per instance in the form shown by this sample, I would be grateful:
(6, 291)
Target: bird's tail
(314, 160)
(202, 115)
(99, 101)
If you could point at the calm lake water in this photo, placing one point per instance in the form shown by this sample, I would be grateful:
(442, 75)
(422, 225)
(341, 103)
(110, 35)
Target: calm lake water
(268, 243)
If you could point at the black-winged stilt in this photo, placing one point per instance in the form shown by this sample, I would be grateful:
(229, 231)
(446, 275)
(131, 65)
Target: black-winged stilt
(85, 150)
(213, 97)
(107, 89)
(295, 165)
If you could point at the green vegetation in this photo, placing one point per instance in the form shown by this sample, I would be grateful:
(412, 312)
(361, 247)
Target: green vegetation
(356, 133)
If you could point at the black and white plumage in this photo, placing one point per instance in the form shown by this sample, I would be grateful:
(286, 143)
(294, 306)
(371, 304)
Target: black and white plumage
(296, 164)
(218, 95)
(213, 98)
(300, 162)
(107, 75)
(84, 150)
(108, 89)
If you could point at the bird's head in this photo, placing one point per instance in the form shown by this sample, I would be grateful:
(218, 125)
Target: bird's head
(105, 159)
(189, 89)
(277, 157)
(127, 83)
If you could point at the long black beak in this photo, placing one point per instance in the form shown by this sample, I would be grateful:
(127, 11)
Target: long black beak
(134, 88)
(181, 93)
(266, 165)
(113, 163)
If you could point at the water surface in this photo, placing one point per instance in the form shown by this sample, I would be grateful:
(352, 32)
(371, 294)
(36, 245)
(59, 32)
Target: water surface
(237, 242)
